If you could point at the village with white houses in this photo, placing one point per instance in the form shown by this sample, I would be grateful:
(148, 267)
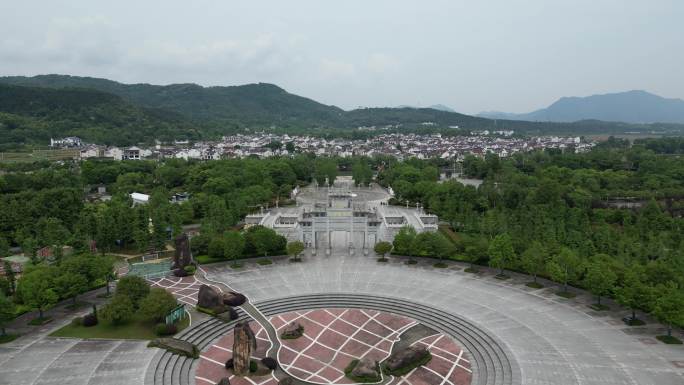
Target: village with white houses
(265, 145)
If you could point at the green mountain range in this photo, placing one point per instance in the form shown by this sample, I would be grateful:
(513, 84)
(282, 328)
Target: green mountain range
(630, 107)
(33, 109)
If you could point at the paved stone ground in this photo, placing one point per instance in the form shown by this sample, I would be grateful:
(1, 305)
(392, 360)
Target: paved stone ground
(554, 340)
(332, 339)
(36, 358)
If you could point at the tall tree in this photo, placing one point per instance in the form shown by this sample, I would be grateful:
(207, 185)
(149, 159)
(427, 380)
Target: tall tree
(600, 279)
(381, 249)
(669, 307)
(70, 285)
(564, 267)
(295, 249)
(37, 288)
(404, 240)
(501, 252)
(234, 245)
(634, 293)
(533, 260)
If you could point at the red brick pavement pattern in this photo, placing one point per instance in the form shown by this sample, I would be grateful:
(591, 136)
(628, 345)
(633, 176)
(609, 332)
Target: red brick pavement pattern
(333, 338)
(447, 366)
(185, 289)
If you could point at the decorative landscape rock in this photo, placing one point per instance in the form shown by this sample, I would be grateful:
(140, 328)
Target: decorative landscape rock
(224, 381)
(176, 346)
(229, 364)
(244, 343)
(292, 331)
(405, 360)
(234, 299)
(366, 370)
(208, 297)
(180, 273)
(182, 257)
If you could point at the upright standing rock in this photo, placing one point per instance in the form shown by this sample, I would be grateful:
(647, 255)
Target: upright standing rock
(244, 343)
(183, 255)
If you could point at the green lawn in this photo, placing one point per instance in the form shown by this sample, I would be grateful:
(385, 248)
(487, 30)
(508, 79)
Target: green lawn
(135, 329)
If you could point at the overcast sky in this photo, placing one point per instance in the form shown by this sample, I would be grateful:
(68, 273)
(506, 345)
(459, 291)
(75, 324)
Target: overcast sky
(506, 55)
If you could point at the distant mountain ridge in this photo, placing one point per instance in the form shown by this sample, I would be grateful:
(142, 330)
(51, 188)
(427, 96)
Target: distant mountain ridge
(438, 107)
(629, 107)
(33, 109)
(260, 103)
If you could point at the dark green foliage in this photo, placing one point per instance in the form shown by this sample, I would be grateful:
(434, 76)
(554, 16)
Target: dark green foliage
(6, 312)
(157, 304)
(134, 288)
(294, 249)
(37, 288)
(163, 329)
(90, 320)
(670, 340)
(119, 310)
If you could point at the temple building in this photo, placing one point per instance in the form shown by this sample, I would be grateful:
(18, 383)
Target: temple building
(342, 221)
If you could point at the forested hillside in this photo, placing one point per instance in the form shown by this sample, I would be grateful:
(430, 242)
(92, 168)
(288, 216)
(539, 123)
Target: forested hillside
(30, 115)
(225, 110)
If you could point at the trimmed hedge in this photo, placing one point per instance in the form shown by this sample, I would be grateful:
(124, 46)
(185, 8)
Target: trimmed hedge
(90, 320)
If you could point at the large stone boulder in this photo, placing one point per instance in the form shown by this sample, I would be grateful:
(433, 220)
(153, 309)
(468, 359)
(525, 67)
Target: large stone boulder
(292, 331)
(244, 343)
(175, 346)
(208, 297)
(366, 369)
(233, 299)
(224, 381)
(402, 361)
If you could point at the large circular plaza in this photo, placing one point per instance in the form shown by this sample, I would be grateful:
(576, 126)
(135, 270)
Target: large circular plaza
(503, 331)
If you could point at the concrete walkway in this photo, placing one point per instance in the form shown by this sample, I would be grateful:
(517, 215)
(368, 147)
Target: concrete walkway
(554, 340)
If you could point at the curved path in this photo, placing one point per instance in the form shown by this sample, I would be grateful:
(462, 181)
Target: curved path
(551, 340)
(491, 364)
